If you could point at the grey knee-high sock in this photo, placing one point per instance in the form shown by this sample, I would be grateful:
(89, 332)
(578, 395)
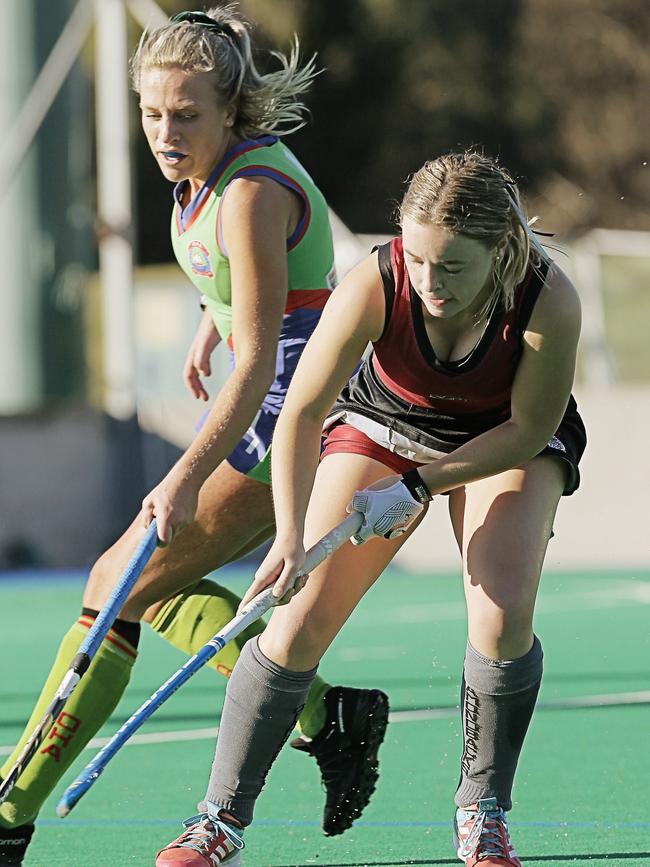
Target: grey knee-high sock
(497, 702)
(263, 702)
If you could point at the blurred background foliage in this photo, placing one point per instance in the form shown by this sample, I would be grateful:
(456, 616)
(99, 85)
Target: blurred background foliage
(556, 89)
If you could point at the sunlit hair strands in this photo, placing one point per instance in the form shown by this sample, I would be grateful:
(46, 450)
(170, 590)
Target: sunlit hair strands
(470, 194)
(265, 104)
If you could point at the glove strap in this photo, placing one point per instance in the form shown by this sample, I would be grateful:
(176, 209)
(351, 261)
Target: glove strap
(416, 487)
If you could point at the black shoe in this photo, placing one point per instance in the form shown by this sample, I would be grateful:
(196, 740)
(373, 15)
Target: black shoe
(346, 752)
(13, 844)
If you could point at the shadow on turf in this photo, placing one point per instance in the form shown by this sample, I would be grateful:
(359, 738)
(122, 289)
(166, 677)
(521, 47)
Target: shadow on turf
(600, 856)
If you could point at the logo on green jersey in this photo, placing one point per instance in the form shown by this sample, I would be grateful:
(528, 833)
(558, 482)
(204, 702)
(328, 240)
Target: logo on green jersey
(199, 259)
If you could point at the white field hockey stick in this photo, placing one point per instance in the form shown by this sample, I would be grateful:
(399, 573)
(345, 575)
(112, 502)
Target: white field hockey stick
(84, 656)
(255, 608)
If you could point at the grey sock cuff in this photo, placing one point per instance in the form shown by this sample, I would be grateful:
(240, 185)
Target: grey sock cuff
(272, 675)
(503, 677)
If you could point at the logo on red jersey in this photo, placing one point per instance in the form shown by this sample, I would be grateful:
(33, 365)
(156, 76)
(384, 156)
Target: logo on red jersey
(199, 259)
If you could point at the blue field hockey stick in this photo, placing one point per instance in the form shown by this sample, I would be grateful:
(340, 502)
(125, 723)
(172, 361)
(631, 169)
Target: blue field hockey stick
(258, 606)
(84, 656)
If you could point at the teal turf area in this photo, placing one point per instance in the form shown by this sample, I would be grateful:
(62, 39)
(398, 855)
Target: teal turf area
(581, 791)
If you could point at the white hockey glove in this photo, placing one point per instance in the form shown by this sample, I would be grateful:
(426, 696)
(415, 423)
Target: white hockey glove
(389, 510)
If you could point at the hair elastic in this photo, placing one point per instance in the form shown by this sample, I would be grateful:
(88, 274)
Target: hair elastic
(204, 21)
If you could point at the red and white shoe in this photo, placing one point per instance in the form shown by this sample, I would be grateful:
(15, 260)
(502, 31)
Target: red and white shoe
(481, 836)
(207, 842)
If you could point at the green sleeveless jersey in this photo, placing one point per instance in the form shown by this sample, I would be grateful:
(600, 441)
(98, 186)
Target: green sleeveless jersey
(198, 244)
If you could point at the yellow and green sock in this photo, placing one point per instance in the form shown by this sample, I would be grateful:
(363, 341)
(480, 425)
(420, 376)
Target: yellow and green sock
(190, 619)
(85, 711)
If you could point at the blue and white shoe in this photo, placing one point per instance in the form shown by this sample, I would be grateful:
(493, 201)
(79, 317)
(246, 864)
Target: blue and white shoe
(481, 836)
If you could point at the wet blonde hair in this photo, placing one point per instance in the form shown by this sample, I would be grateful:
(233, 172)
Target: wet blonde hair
(264, 104)
(470, 194)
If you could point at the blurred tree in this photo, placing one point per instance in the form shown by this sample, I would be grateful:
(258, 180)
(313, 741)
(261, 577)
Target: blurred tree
(404, 83)
(591, 61)
(557, 89)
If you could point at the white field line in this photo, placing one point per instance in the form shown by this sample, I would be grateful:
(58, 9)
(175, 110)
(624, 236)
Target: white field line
(398, 716)
(151, 738)
(585, 701)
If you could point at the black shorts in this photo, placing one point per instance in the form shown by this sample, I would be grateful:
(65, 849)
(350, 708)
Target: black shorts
(568, 444)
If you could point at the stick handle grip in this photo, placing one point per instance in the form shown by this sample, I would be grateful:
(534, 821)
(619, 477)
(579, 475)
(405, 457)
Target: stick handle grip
(258, 606)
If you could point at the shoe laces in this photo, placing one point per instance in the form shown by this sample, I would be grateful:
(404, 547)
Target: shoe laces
(201, 831)
(489, 833)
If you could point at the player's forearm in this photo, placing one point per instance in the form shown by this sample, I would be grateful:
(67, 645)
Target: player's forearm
(294, 460)
(231, 415)
(207, 325)
(495, 451)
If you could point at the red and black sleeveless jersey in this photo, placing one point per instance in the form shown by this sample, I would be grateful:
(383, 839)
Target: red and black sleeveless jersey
(437, 404)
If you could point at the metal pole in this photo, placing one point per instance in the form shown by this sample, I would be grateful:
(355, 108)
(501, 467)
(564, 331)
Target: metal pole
(598, 367)
(45, 88)
(114, 207)
(21, 383)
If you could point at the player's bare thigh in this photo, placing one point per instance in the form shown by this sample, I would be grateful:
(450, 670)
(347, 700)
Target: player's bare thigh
(299, 633)
(233, 510)
(503, 524)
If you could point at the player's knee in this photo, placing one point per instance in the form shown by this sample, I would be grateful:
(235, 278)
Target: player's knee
(293, 649)
(138, 603)
(97, 586)
(515, 639)
(101, 581)
(501, 633)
